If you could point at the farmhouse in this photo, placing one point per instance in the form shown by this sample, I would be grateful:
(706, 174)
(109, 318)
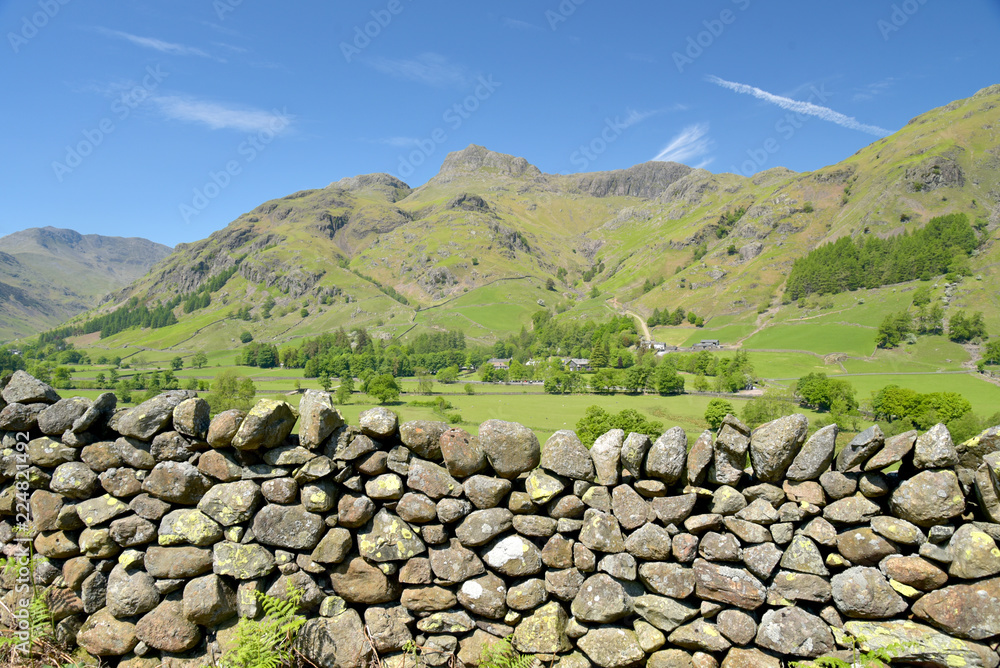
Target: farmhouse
(578, 364)
(500, 363)
(705, 344)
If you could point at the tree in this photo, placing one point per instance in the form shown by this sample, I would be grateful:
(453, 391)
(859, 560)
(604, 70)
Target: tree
(344, 391)
(425, 382)
(894, 329)
(550, 284)
(716, 411)
(199, 360)
(991, 355)
(821, 393)
(325, 382)
(304, 313)
(772, 405)
(469, 389)
(177, 363)
(384, 388)
(231, 390)
(596, 422)
(100, 380)
(246, 337)
(447, 375)
(668, 381)
(700, 383)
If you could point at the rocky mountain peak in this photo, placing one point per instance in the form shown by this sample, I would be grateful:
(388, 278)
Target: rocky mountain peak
(646, 180)
(386, 184)
(475, 159)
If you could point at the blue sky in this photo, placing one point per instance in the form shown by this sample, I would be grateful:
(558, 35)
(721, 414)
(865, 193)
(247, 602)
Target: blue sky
(168, 120)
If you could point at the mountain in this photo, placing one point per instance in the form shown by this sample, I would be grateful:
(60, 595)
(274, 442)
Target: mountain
(474, 248)
(48, 275)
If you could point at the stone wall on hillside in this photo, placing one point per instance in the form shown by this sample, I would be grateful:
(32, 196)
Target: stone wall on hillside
(156, 525)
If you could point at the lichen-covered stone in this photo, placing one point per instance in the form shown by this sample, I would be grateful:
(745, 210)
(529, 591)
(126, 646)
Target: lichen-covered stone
(612, 647)
(189, 525)
(485, 596)
(319, 418)
(664, 613)
(151, 417)
(131, 592)
(967, 611)
(389, 539)
(74, 480)
(514, 556)
(177, 482)
(795, 632)
(357, 581)
(432, 479)
(423, 438)
(231, 503)
(774, 445)
(565, 455)
(861, 448)
(928, 498)
(224, 426)
(177, 562)
(482, 526)
(606, 453)
(267, 424)
(864, 593)
(543, 632)
(725, 584)
(511, 448)
(333, 641)
(288, 527)
(247, 561)
(104, 635)
(167, 629)
(23, 388)
(934, 449)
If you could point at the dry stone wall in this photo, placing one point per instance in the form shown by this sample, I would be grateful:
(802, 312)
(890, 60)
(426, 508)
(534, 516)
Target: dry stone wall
(156, 525)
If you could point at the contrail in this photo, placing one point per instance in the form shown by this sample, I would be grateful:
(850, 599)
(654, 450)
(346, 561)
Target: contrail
(808, 108)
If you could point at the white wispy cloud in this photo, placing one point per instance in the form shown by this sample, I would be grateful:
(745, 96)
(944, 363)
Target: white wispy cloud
(221, 117)
(520, 25)
(690, 143)
(807, 108)
(160, 45)
(432, 69)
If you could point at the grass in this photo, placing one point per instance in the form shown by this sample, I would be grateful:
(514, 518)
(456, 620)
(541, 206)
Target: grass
(817, 338)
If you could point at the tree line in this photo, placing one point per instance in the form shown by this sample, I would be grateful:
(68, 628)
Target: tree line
(942, 246)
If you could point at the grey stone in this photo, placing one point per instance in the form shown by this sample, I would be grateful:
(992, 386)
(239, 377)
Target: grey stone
(861, 448)
(318, 418)
(863, 592)
(934, 449)
(606, 454)
(773, 446)
(815, 456)
(928, 498)
(565, 455)
(795, 632)
(289, 527)
(667, 457)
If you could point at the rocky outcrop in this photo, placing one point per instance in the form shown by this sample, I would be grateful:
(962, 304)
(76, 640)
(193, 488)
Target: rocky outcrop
(635, 552)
